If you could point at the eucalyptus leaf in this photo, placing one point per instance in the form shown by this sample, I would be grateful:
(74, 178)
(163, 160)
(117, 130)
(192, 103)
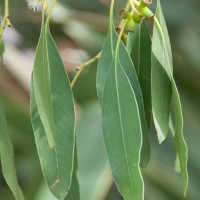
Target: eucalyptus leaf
(7, 157)
(74, 193)
(53, 116)
(130, 71)
(161, 50)
(161, 98)
(139, 47)
(119, 130)
(103, 68)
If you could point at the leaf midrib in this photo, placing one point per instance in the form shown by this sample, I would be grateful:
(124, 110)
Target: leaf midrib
(121, 125)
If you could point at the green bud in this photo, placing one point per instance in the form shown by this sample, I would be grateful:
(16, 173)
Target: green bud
(124, 38)
(130, 26)
(146, 13)
(145, 3)
(124, 14)
(137, 18)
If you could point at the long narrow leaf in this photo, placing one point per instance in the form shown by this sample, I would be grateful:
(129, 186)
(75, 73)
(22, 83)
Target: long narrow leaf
(53, 116)
(103, 68)
(161, 48)
(119, 108)
(139, 47)
(7, 157)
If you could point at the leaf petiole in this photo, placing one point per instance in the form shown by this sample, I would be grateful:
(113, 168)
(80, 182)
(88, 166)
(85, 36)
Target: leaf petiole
(6, 20)
(80, 68)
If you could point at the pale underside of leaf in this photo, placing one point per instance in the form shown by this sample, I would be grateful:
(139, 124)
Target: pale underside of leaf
(161, 99)
(161, 47)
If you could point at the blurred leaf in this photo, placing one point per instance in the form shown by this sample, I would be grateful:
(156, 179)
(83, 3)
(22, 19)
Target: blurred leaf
(94, 174)
(53, 118)
(2, 48)
(7, 157)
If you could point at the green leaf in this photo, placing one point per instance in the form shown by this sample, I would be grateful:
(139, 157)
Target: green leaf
(103, 68)
(7, 157)
(53, 116)
(129, 69)
(105, 62)
(162, 52)
(139, 47)
(122, 134)
(161, 99)
(74, 193)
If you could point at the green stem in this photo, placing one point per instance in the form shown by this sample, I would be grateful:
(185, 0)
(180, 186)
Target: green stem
(82, 67)
(50, 11)
(127, 8)
(6, 20)
(120, 36)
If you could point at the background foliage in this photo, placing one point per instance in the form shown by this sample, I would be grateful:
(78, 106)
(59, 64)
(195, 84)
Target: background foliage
(79, 28)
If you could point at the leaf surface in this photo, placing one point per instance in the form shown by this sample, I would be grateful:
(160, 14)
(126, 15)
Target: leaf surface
(53, 117)
(139, 47)
(7, 157)
(119, 110)
(161, 98)
(161, 48)
(74, 193)
(103, 68)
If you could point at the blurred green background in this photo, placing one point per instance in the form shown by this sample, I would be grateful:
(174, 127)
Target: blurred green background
(79, 28)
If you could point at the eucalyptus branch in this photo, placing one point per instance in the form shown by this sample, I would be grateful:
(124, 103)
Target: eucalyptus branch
(82, 67)
(6, 20)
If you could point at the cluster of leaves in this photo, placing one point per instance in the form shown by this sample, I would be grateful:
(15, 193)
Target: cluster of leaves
(134, 83)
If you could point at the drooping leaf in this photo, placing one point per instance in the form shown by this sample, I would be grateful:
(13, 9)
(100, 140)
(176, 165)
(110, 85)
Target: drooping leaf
(130, 71)
(7, 157)
(162, 51)
(122, 134)
(74, 193)
(161, 98)
(139, 47)
(102, 71)
(105, 60)
(53, 117)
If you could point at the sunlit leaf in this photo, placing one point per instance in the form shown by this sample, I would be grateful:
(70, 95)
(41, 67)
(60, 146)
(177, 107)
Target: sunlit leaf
(53, 118)
(7, 157)
(161, 50)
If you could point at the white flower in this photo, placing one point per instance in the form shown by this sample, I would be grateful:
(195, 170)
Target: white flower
(35, 5)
